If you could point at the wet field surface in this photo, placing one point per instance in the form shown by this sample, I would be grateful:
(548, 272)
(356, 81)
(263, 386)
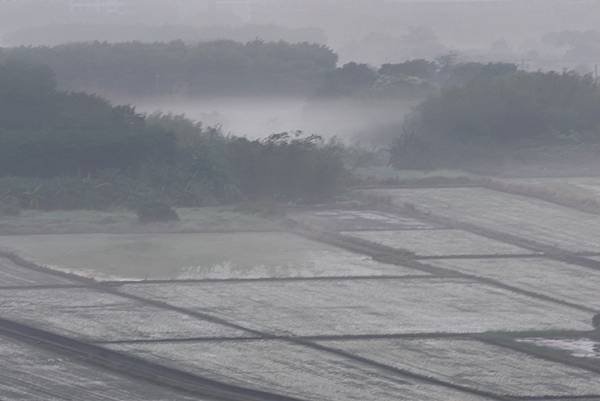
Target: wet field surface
(389, 303)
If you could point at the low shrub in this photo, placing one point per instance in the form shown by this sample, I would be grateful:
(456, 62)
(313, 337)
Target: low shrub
(596, 322)
(487, 121)
(63, 151)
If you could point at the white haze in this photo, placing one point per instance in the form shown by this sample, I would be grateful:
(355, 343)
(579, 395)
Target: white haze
(258, 117)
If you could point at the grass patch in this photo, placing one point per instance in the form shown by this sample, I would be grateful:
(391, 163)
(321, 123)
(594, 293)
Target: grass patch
(205, 219)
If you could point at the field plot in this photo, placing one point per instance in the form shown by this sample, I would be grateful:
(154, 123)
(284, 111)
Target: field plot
(32, 374)
(533, 219)
(195, 256)
(577, 347)
(559, 280)
(477, 365)
(341, 220)
(367, 306)
(583, 186)
(92, 315)
(291, 369)
(438, 242)
(12, 275)
(569, 399)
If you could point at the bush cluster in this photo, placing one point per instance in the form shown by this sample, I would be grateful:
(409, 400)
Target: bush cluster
(62, 150)
(487, 120)
(207, 68)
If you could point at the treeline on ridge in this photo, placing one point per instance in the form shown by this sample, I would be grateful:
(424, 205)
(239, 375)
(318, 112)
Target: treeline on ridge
(136, 70)
(69, 150)
(222, 67)
(495, 119)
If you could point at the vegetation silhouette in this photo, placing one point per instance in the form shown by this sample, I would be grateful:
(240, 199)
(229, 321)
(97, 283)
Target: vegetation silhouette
(67, 150)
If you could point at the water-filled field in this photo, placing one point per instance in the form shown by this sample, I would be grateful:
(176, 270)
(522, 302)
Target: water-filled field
(438, 242)
(195, 256)
(476, 365)
(92, 315)
(368, 306)
(559, 280)
(529, 218)
(293, 370)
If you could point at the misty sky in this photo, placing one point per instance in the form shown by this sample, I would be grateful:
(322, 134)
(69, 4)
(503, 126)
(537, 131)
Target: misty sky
(372, 31)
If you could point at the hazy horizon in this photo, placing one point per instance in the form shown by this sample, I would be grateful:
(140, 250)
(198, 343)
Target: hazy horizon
(381, 31)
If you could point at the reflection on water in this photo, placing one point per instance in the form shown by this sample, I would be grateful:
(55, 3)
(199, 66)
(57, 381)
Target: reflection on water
(579, 347)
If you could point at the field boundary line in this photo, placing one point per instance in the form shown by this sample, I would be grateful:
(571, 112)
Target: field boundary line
(385, 256)
(42, 287)
(274, 229)
(540, 195)
(483, 256)
(118, 283)
(391, 255)
(413, 375)
(470, 336)
(559, 398)
(547, 251)
(134, 367)
(340, 337)
(22, 262)
(291, 340)
(538, 352)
